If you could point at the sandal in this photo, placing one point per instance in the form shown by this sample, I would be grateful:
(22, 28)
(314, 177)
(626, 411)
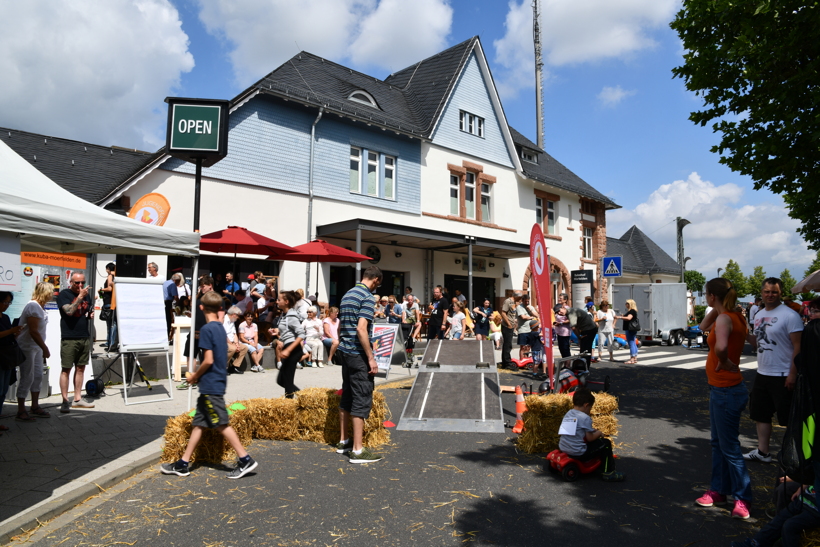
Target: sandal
(24, 418)
(40, 413)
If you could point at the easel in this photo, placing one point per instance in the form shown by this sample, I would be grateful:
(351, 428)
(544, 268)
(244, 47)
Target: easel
(129, 357)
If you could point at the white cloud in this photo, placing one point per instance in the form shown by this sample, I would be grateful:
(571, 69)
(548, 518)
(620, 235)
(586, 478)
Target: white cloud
(722, 228)
(388, 34)
(96, 71)
(611, 96)
(575, 32)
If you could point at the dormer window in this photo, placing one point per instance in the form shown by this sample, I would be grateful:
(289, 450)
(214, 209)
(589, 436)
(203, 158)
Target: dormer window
(529, 155)
(363, 97)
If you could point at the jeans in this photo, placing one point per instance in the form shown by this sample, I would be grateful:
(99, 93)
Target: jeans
(633, 346)
(5, 376)
(788, 525)
(506, 346)
(111, 340)
(729, 473)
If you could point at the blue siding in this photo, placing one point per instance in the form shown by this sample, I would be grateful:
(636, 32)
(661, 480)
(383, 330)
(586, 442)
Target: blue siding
(472, 95)
(269, 146)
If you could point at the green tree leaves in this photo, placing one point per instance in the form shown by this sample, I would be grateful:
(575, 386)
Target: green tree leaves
(694, 280)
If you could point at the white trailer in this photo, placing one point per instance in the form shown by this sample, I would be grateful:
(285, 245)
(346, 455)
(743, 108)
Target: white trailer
(661, 310)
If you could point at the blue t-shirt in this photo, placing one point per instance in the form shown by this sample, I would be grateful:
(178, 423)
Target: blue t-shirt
(357, 302)
(215, 379)
(169, 290)
(397, 309)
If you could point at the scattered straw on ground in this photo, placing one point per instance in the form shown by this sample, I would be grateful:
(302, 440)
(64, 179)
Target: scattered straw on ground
(545, 412)
(312, 416)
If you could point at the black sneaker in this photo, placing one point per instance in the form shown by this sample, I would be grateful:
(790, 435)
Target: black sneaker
(175, 468)
(344, 447)
(242, 469)
(366, 456)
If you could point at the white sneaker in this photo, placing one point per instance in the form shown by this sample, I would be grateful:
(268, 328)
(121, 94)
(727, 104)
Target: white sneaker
(320, 364)
(279, 365)
(756, 456)
(298, 365)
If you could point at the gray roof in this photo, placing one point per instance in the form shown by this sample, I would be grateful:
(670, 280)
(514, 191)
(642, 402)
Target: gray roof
(550, 171)
(640, 254)
(409, 101)
(88, 171)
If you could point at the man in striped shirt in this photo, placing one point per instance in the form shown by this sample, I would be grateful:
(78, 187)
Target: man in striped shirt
(358, 364)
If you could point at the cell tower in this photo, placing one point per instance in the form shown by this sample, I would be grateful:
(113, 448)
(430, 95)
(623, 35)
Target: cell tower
(539, 92)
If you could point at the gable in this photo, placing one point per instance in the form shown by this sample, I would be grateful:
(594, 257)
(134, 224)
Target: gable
(472, 95)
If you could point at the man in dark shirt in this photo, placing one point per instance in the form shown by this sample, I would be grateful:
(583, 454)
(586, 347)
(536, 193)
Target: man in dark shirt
(584, 326)
(437, 324)
(75, 344)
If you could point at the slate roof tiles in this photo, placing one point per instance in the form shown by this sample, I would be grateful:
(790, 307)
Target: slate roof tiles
(640, 254)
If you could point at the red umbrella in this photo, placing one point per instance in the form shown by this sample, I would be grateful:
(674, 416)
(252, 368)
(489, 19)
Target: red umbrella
(322, 251)
(235, 240)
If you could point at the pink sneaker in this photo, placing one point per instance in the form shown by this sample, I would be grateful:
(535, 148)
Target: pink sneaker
(710, 498)
(741, 510)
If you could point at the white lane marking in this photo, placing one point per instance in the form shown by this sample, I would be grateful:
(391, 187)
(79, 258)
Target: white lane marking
(426, 393)
(438, 350)
(749, 364)
(651, 360)
(481, 351)
(482, 398)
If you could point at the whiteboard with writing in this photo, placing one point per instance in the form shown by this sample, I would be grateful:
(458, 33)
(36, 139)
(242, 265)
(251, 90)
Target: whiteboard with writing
(140, 314)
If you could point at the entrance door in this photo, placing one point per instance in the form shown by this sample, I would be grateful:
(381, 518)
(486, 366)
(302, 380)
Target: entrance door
(483, 287)
(342, 279)
(392, 283)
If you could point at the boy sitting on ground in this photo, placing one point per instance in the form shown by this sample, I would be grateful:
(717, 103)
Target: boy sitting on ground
(212, 377)
(788, 525)
(582, 441)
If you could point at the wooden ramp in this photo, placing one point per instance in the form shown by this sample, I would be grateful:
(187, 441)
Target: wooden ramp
(456, 389)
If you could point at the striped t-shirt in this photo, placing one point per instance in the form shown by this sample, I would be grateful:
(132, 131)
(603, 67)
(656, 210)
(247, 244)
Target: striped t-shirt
(357, 302)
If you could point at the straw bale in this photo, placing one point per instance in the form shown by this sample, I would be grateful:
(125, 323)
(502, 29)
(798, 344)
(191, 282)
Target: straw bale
(312, 416)
(545, 413)
(811, 538)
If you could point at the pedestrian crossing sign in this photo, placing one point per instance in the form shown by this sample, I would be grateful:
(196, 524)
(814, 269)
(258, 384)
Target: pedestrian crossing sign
(613, 266)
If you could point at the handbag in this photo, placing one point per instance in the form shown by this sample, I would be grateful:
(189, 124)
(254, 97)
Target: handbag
(11, 356)
(106, 314)
(634, 325)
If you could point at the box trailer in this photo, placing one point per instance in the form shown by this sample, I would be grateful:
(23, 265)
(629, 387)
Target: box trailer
(661, 310)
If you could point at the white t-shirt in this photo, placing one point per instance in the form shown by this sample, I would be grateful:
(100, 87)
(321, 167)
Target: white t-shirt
(774, 346)
(461, 298)
(32, 309)
(230, 328)
(313, 328)
(609, 324)
(457, 318)
(249, 331)
(752, 312)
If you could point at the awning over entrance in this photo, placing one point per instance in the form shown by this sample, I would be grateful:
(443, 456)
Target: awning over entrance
(420, 238)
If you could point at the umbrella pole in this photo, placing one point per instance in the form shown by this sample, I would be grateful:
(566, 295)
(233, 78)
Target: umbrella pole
(317, 282)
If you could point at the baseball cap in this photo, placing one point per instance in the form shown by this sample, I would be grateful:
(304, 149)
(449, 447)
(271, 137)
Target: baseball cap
(251, 276)
(590, 304)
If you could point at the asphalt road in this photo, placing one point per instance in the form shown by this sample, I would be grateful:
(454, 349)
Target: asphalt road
(443, 488)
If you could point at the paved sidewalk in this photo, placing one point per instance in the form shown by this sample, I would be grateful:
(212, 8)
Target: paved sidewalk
(50, 465)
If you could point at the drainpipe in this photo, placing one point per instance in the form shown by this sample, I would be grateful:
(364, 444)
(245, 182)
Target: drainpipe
(310, 202)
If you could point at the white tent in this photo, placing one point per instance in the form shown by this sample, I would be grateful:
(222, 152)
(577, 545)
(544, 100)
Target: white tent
(52, 219)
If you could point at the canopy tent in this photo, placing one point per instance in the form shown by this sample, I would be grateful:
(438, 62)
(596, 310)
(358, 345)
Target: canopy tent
(52, 219)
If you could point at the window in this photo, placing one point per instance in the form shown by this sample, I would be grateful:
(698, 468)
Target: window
(588, 207)
(529, 156)
(539, 211)
(355, 169)
(551, 217)
(363, 97)
(588, 243)
(470, 123)
(379, 177)
(455, 186)
(540, 204)
(485, 202)
(469, 195)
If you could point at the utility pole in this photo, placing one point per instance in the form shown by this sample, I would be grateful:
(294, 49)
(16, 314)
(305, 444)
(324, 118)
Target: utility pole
(539, 91)
(681, 223)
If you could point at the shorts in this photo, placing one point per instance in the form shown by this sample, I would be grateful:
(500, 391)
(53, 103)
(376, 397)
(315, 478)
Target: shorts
(253, 348)
(769, 397)
(210, 411)
(75, 352)
(456, 335)
(524, 339)
(357, 385)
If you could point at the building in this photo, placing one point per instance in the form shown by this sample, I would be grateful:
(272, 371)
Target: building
(643, 260)
(418, 171)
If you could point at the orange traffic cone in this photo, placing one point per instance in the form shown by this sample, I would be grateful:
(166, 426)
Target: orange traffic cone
(520, 409)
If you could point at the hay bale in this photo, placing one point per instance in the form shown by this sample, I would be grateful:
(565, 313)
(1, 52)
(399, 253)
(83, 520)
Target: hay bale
(545, 413)
(312, 416)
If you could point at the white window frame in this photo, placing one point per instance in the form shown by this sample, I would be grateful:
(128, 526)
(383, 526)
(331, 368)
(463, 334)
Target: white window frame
(488, 195)
(455, 186)
(470, 184)
(382, 164)
(372, 161)
(363, 98)
(470, 123)
(358, 159)
(531, 157)
(539, 211)
(551, 216)
(389, 165)
(588, 233)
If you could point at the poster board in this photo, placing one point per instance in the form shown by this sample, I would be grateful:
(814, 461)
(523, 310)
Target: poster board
(140, 314)
(388, 347)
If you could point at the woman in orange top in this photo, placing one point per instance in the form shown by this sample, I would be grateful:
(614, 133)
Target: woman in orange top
(727, 398)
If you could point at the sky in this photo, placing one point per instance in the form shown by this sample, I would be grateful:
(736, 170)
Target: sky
(99, 70)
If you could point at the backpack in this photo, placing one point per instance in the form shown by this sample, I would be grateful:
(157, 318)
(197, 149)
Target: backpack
(797, 449)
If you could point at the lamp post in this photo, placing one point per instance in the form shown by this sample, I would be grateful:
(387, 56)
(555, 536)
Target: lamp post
(681, 223)
(719, 270)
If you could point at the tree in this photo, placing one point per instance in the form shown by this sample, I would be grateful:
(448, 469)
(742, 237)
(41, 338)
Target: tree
(814, 266)
(755, 281)
(694, 280)
(788, 283)
(733, 274)
(756, 65)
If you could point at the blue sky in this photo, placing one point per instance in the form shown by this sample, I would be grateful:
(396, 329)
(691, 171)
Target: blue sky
(99, 70)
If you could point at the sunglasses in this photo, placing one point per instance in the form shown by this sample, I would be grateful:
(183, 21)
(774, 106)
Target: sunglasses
(80, 283)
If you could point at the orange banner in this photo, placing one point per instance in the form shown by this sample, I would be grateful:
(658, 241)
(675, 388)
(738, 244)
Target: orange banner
(69, 260)
(151, 209)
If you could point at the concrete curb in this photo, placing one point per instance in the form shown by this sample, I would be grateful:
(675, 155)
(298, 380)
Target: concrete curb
(56, 505)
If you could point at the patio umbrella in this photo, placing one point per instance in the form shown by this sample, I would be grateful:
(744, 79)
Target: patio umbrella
(811, 283)
(322, 251)
(235, 239)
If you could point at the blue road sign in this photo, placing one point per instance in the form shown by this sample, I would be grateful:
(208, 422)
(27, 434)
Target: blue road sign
(613, 266)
